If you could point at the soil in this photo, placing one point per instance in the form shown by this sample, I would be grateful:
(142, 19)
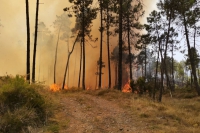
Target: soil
(95, 114)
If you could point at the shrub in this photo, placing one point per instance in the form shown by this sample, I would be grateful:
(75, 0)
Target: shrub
(21, 106)
(141, 84)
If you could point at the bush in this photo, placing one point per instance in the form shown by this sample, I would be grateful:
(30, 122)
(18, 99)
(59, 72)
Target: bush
(141, 85)
(21, 106)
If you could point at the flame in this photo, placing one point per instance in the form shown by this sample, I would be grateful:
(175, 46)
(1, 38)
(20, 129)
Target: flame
(56, 87)
(127, 88)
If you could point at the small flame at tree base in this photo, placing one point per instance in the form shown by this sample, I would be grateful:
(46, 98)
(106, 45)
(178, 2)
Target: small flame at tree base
(56, 87)
(127, 88)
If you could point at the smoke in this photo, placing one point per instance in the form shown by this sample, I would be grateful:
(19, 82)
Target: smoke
(13, 43)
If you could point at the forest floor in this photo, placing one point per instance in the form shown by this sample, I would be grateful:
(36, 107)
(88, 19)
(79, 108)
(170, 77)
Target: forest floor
(111, 111)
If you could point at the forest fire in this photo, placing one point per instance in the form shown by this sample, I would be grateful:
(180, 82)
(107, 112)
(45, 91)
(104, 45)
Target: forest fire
(127, 88)
(56, 87)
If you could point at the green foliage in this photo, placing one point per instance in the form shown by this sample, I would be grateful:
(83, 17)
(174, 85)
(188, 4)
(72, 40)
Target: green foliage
(141, 86)
(21, 106)
(133, 86)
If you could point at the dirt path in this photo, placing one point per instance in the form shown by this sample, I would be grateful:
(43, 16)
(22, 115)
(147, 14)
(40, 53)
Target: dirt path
(92, 114)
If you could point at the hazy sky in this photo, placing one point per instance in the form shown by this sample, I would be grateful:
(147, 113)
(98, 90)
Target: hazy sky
(13, 32)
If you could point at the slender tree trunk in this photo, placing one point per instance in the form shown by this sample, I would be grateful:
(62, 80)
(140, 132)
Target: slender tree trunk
(79, 79)
(142, 69)
(101, 37)
(129, 48)
(83, 39)
(108, 48)
(165, 53)
(67, 65)
(145, 63)
(35, 41)
(120, 47)
(54, 77)
(28, 43)
(155, 81)
(173, 82)
(116, 74)
(162, 74)
(191, 60)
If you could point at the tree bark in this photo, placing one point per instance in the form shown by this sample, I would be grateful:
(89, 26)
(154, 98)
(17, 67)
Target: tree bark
(83, 39)
(129, 47)
(28, 43)
(101, 39)
(81, 53)
(108, 48)
(162, 73)
(54, 77)
(120, 47)
(35, 41)
(67, 65)
(191, 59)
(165, 53)
(155, 81)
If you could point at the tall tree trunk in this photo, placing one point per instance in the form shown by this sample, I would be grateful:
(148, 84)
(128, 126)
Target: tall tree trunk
(101, 37)
(79, 79)
(155, 81)
(28, 43)
(191, 59)
(129, 46)
(120, 47)
(67, 65)
(83, 39)
(35, 41)
(145, 63)
(108, 47)
(165, 53)
(116, 74)
(162, 74)
(173, 82)
(54, 77)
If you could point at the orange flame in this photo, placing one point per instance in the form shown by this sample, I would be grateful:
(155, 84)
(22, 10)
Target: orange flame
(56, 87)
(127, 88)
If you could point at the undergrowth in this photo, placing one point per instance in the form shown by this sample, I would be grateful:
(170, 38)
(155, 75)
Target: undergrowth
(22, 107)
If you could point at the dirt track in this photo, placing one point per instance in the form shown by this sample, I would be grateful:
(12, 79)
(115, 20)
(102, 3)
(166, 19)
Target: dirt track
(94, 114)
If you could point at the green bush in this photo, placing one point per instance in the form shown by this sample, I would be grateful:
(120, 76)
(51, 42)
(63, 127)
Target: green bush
(133, 86)
(21, 106)
(141, 84)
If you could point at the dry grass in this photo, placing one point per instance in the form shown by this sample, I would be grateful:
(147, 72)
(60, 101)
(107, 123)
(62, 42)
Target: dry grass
(178, 115)
(173, 115)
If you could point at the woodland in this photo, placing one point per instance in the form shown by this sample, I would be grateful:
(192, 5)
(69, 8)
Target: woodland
(146, 85)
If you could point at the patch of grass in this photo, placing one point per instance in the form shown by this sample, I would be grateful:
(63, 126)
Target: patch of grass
(144, 115)
(54, 128)
(21, 106)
